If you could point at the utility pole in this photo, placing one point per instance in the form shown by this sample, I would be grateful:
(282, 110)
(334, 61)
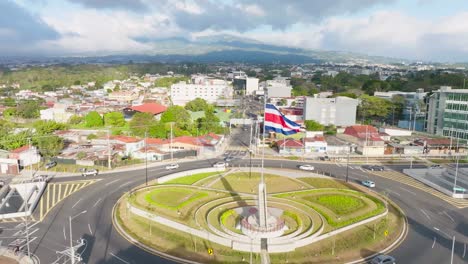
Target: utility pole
(347, 164)
(170, 146)
(72, 249)
(409, 123)
(109, 166)
(146, 160)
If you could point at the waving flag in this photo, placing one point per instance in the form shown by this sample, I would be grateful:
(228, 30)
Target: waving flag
(277, 122)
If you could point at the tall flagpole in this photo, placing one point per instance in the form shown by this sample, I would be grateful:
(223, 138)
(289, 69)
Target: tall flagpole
(263, 134)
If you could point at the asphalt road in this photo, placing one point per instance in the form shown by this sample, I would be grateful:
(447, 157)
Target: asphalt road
(432, 222)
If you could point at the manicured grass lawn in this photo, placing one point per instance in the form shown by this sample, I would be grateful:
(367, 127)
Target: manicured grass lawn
(189, 180)
(241, 182)
(173, 198)
(325, 183)
(339, 204)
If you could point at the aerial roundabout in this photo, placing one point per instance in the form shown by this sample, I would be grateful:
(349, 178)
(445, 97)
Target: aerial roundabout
(247, 215)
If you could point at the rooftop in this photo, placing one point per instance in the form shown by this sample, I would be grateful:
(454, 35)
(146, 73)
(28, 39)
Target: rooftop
(152, 108)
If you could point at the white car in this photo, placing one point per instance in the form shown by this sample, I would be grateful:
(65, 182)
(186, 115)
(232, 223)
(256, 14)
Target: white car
(369, 184)
(90, 172)
(306, 167)
(220, 165)
(172, 166)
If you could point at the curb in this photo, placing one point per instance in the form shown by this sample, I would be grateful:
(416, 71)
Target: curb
(21, 258)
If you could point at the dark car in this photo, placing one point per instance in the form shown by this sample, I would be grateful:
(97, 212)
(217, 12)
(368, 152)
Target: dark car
(325, 158)
(50, 164)
(229, 159)
(373, 167)
(383, 259)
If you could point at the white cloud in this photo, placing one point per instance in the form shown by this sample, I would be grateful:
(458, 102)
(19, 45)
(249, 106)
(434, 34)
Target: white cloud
(91, 31)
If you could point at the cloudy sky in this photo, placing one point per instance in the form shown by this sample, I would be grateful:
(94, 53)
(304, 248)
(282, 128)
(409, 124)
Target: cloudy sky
(414, 29)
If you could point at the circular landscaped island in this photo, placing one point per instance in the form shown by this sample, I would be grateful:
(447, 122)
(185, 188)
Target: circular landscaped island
(212, 216)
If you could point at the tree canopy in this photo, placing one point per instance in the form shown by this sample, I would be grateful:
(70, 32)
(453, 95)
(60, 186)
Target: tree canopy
(312, 125)
(140, 123)
(374, 108)
(94, 119)
(198, 104)
(114, 119)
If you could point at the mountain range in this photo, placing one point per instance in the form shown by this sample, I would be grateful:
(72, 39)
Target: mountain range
(214, 48)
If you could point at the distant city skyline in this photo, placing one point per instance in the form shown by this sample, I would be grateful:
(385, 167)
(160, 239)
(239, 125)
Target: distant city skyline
(410, 29)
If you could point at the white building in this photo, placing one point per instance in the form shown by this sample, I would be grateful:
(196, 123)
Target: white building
(57, 113)
(339, 111)
(278, 88)
(210, 90)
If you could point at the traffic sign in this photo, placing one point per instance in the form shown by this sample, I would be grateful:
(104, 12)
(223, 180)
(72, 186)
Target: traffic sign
(210, 251)
(459, 189)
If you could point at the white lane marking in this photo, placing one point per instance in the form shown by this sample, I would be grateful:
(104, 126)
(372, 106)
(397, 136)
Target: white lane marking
(444, 212)
(90, 231)
(464, 251)
(337, 164)
(393, 192)
(119, 258)
(109, 183)
(424, 212)
(64, 236)
(406, 190)
(362, 169)
(433, 243)
(97, 202)
(34, 231)
(76, 203)
(437, 229)
(127, 183)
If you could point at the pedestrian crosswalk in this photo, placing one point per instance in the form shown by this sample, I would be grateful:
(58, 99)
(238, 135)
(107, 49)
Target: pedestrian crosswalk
(237, 148)
(31, 218)
(402, 178)
(56, 192)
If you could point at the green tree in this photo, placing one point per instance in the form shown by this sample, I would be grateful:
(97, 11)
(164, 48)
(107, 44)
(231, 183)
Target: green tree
(114, 119)
(158, 130)
(47, 127)
(198, 104)
(75, 120)
(28, 109)
(374, 108)
(140, 123)
(91, 136)
(176, 114)
(312, 125)
(14, 141)
(94, 119)
(372, 86)
(49, 146)
(9, 112)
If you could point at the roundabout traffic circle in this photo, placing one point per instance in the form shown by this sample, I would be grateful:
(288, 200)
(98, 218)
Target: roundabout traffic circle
(217, 216)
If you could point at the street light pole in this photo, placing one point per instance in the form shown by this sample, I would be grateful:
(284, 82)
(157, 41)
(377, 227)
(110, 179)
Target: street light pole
(347, 163)
(146, 160)
(72, 250)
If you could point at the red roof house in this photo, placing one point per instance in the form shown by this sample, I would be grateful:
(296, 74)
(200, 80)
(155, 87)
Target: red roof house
(152, 108)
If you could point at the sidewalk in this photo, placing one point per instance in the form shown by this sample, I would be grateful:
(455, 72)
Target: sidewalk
(17, 258)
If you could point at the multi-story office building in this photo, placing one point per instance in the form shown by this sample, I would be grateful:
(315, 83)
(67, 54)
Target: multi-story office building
(447, 112)
(245, 85)
(209, 89)
(339, 111)
(278, 88)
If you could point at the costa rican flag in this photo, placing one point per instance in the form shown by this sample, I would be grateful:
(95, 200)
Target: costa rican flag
(277, 122)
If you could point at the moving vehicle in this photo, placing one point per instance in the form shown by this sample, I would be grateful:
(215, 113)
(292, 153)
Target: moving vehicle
(172, 166)
(383, 259)
(368, 183)
(435, 166)
(306, 167)
(89, 172)
(373, 167)
(50, 164)
(220, 164)
(229, 159)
